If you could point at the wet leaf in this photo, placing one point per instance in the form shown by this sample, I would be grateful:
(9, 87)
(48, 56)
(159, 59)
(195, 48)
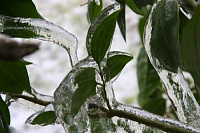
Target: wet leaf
(14, 77)
(121, 19)
(150, 97)
(19, 8)
(164, 41)
(190, 46)
(143, 3)
(101, 32)
(86, 84)
(5, 110)
(116, 62)
(45, 118)
(94, 10)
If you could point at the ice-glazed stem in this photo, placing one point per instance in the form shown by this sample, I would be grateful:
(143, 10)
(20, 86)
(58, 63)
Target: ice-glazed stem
(149, 119)
(179, 93)
(40, 29)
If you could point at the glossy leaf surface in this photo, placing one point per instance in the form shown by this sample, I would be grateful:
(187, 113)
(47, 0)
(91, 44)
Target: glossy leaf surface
(101, 32)
(86, 83)
(94, 9)
(164, 41)
(116, 62)
(150, 97)
(45, 118)
(19, 8)
(14, 77)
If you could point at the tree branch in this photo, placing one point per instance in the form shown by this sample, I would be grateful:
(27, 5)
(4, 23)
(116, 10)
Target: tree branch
(146, 118)
(31, 99)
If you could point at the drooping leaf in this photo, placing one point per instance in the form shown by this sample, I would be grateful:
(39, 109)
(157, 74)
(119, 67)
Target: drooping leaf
(45, 118)
(150, 97)
(94, 9)
(163, 38)
(19, 8)
(101, 32)
(86, 83)
(121, 19)
(190, 47)
(116, 62)
(143, 3)
(5, 110)
(14, 77)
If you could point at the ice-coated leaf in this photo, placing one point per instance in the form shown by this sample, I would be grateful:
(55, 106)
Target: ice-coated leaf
(143, 3)
(164, 40)
(40, 29)
(116, 62)
(190, 46)
(19, 8)
(86, 83)
(5, 110)
(3, 122)
(45, 118)
(94, 9)
(101, 32)
(14, 77)
(121, 19)
(149, 84)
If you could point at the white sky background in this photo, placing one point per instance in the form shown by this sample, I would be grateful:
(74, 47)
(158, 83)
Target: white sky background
(51, 64)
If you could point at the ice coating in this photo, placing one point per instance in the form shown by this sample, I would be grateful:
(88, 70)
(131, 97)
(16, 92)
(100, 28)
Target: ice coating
(43, 30)
(105, 13)
(63, 100)
(33, 116)
(180, 95)
(41, 96)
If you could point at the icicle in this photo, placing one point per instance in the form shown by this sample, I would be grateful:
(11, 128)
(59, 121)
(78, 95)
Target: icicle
(180, 95)
(40, 29)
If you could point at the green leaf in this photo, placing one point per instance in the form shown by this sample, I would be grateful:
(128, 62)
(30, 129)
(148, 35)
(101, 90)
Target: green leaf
(5, 110)
(164, 41)
(19, 8)
(94, 10)
(121, 19)
(116, 62)
(86, 83)
(143, 3)
(101, 32)
(14, 77)
(141, 26)
(2, 129)
(190, 47)
(45, 118)
(149, 84)
(131, 4)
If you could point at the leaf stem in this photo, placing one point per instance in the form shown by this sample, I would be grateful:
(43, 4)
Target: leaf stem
(104, 87)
